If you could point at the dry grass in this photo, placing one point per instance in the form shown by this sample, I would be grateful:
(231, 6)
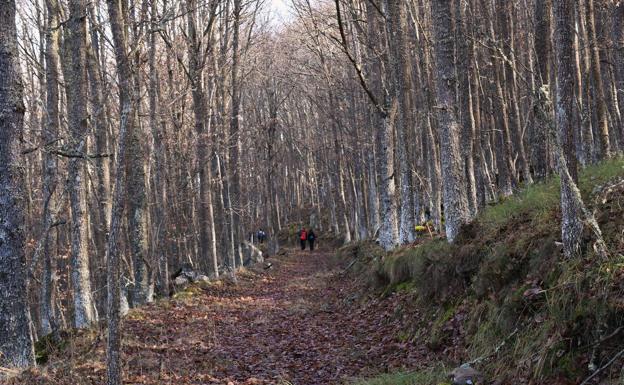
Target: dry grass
(520, 301)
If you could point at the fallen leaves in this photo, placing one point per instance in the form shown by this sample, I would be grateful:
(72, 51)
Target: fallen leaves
(291, 324)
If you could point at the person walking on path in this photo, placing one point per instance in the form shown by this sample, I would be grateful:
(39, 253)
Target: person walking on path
(311, 239)
(261, 236)
(303, 236)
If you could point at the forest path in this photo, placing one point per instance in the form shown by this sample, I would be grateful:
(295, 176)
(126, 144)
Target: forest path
(296, 323)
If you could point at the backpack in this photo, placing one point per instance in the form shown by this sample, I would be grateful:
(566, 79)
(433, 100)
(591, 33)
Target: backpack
(304, 235)
(311, 236)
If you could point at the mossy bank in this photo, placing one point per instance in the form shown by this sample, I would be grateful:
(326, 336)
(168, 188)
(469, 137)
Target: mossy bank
(504, 295)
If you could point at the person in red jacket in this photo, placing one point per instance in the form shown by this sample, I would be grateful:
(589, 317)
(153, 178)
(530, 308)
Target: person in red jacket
(303, 237)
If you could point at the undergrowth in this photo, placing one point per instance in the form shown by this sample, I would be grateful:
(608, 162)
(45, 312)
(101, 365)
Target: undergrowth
(436, 375)
(526, 313)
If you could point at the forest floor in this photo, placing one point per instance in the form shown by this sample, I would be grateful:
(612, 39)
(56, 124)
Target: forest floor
(301, 322)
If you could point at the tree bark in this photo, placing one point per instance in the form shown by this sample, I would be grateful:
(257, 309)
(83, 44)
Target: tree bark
(76, 88)
(137, 170)
(571, 207)
(618, 29)
(601, 103)
(388, 235)
(453, 180)
(126, 109)
(50, 182)
(235, 144)
(196, 62)
(399, 66)
(464, 71)
(540, 129)
(16, 344)
(158, 189)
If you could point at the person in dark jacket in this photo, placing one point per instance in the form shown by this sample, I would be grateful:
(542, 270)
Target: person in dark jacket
(303, 237)
(311, 239)
(261, 236)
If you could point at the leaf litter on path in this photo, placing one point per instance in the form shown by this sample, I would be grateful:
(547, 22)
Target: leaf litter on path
(292, 324)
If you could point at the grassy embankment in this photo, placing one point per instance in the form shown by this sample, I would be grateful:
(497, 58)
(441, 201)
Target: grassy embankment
(506, 294)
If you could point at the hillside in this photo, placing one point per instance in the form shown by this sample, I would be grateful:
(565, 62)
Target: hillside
(503, 297)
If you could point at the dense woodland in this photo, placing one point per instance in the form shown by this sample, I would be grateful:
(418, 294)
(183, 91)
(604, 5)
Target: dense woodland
(137, 136)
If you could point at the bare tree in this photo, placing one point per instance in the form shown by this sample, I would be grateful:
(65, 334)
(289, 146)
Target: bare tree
(600, 101)
(76, 90)
(454, 181)
(571, 204)
(16, 345)
(113, 250)
(399, 65)
(50, 182)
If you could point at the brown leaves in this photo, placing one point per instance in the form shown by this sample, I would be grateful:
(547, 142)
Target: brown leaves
(289, 324)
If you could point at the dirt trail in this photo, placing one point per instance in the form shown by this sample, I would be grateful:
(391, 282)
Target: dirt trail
(296, 323)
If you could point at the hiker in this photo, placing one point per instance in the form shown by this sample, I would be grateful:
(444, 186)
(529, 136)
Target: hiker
(311, 239)
(303, 237)
(261, 235)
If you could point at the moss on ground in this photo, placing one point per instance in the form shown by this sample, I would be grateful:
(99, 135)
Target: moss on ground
(67, 343)
(523, 303)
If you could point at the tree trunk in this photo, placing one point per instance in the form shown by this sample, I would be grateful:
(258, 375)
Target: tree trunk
(196, 59)
(16, 344)
(76, 85)
(571, 207)
(50, 182)
(142, 290)
(137, 170)
(601, 103)
(399, 67)
(453, 181)
(158, 189)
(618, 28)
(388, 234)
(100, 128)
(126, 109)
(235, 144)
(540, 135)
(512, 75)
(464, 71)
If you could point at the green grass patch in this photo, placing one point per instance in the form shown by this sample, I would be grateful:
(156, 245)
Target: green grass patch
(413, 263)
(521, 301)
(542, 197)
(437, 334)
(599, 174)
(431, 376)
(536, 198)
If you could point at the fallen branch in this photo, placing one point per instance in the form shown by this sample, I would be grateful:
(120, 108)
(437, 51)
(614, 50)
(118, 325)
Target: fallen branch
(604, 339)
(8, 371)
(75, 154)
(344, 271)
(65, 153)
(599, 370)
(429, 230)
(494, 352)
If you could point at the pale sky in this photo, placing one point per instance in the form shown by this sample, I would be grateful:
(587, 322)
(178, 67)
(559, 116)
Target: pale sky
(279, 6)
(280, 10)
